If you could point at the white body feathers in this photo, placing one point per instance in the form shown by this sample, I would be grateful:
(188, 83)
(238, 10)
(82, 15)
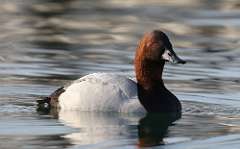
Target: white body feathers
(101, 92)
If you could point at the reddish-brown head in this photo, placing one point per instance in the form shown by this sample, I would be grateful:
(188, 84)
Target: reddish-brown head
(152, 52)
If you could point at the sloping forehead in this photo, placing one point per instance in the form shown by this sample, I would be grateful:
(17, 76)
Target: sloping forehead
(159, 36)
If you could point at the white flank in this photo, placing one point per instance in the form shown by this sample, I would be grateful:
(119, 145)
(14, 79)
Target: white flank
(101, 92)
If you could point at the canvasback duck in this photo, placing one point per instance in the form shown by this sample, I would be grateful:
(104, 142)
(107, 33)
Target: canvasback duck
(111, 92)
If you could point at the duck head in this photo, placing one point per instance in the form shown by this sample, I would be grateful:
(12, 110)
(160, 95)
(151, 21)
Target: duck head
(153, 50)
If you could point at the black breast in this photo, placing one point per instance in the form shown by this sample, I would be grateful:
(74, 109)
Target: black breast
(158, 99)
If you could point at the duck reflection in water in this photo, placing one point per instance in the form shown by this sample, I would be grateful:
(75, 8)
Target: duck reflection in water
(97, 127)
(154, 127)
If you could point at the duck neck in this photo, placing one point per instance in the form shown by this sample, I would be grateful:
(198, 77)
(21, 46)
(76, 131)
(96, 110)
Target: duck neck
(149, 74)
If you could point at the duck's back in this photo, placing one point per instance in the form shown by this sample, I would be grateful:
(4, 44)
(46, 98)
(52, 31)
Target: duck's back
(100, 92)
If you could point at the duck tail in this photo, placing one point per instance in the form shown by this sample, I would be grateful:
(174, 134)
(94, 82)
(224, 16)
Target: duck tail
(51, 100)
(43, 100)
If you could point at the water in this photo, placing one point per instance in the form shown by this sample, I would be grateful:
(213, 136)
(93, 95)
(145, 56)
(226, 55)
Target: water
(45, 44)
